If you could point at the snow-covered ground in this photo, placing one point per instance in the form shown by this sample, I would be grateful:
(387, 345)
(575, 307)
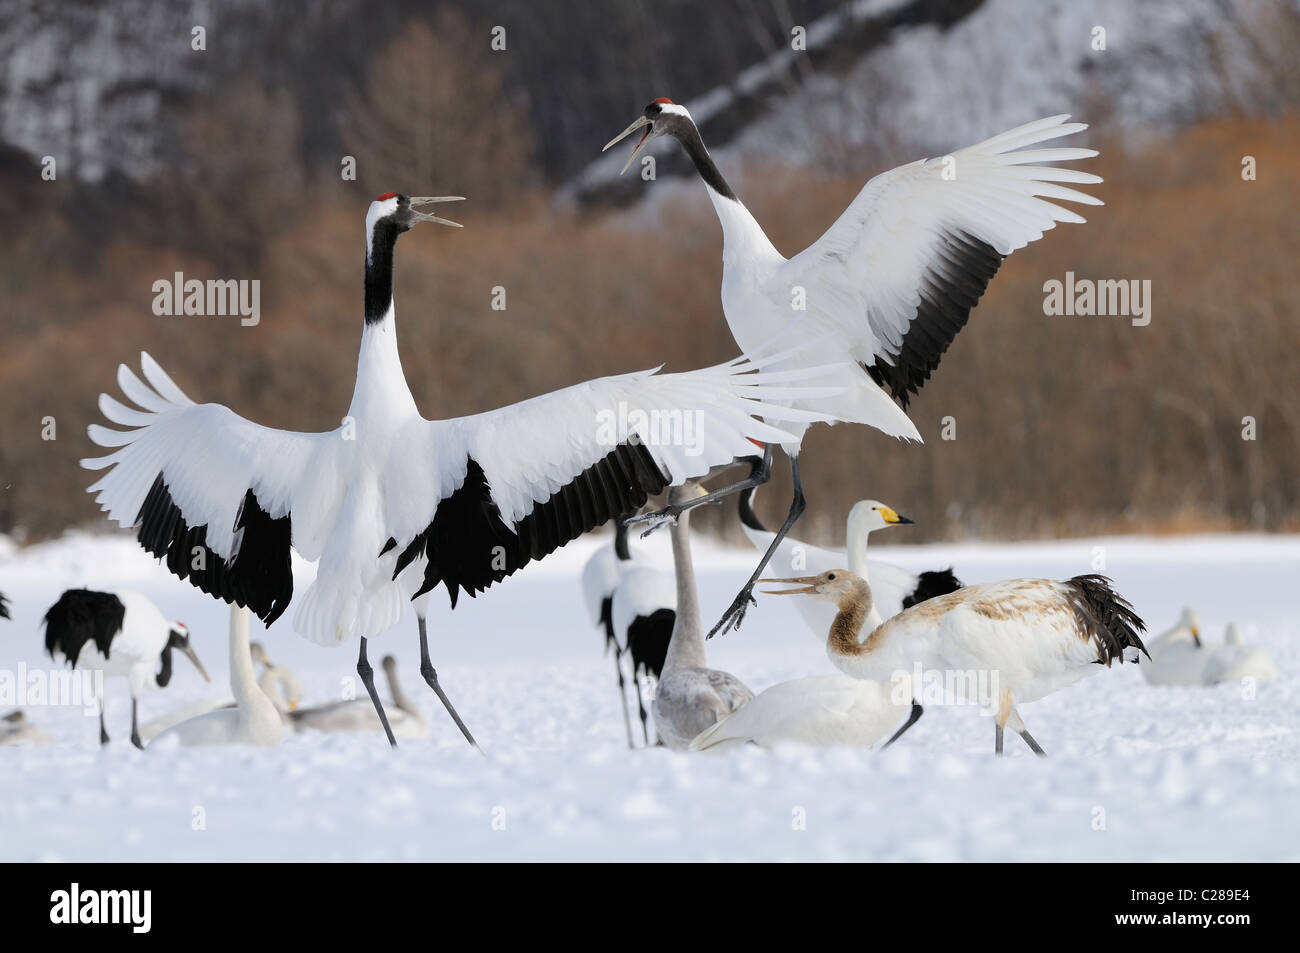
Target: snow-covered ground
(1135, 772)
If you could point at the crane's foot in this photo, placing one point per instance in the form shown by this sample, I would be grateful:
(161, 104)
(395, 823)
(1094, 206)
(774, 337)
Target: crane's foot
(669, 515)
(658, 519)
(735, 614)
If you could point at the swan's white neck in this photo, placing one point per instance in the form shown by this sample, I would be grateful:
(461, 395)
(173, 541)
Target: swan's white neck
(686, 647)
(243, 680)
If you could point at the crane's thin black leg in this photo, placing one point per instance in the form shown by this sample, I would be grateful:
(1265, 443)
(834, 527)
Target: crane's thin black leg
(997, 741)
(1033, 745)
(431, 677)
(135, 724)
(913, 717)
(640, 705)
(670, 512)
(103, 732)
(735, 614)
(368, 679)
(622, 694)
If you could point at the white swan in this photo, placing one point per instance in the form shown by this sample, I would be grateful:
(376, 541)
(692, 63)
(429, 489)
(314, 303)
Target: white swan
(254, 720)
(1177, 656)
(893, 587)
(1016, 640)
(359, 714)
(1181, 657)
(279, 683)
(821, 711)
(1233, 661)
(690, 696)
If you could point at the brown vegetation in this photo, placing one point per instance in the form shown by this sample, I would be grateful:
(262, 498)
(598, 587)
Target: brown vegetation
(1063, 425)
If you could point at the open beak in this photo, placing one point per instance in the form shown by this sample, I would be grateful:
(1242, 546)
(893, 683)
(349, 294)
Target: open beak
(808, 584)
(640, 143)
(418, 200)
(189, 654)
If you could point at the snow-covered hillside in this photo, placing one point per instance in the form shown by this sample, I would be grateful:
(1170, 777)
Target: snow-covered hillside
(1135, 772)
(919, 86)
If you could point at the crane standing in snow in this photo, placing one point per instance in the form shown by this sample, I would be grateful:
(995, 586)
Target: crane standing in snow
(121, 634)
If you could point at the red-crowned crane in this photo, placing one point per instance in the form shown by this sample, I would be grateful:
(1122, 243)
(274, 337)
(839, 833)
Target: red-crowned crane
(886, 288)
(121, 634)
(635, 604)
(391, 504)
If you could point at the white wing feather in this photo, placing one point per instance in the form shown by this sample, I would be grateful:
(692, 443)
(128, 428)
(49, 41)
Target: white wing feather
(865, 275)
(210, 457)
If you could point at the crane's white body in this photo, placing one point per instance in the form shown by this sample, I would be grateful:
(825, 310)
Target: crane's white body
(254, 720)
(600, 575)
(134, 651)
(642, 591)
(690, 696)
(820, 711)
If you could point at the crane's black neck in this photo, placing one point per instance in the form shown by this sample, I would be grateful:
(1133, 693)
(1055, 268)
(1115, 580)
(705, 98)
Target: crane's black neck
(690, 139)
(165, 674)
(620, 540)
(379, 271)
(747, 515)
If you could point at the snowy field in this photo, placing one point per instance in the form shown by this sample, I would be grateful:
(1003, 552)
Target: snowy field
(1168, 773)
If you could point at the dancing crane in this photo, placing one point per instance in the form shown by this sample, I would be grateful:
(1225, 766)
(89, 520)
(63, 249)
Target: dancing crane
(391, 504)
(890, 283)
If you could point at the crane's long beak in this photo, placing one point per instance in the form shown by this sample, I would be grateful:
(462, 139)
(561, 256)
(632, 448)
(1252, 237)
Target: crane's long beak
(808, 583)
(190, 654)
(640, 143)
(418, 200)
(1196, 636)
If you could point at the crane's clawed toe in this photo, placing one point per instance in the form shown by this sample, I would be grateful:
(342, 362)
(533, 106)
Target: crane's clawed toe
(735, 613)
(658, 519)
